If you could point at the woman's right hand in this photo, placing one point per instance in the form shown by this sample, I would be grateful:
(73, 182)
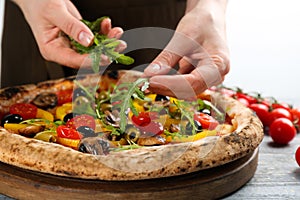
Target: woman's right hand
(48, 18)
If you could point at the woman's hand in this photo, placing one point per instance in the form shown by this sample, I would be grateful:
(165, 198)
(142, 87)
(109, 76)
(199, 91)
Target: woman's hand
(48, 18)
(199, 49)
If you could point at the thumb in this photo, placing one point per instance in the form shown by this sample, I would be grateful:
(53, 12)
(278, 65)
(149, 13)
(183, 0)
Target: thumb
(73, 27)
(162, 64)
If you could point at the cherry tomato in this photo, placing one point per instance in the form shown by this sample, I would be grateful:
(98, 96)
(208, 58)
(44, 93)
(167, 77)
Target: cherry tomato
(265, 102)
(206, 121)
(25, 110)
(279, 113)
(281, 105)
(67, 132)
(81, 120)
(297, 156)
(262, 111)
(249, 98)
(227, 92)
(153, 128)
(143, 119)
(243, 101)
(282, 131)
(296, 115)
(64, 96)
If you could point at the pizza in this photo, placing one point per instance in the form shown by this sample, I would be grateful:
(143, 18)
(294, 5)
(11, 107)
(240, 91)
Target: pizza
(110, 127)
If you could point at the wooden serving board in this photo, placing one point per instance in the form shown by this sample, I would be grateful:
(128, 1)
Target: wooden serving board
(206, 184)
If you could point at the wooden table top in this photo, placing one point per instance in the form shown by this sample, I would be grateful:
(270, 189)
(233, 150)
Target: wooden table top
(277, 175)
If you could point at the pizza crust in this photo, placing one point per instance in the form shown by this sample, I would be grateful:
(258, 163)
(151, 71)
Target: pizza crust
(143, 163)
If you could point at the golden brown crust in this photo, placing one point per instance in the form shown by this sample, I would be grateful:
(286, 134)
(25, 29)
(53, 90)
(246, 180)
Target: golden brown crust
(143, 163)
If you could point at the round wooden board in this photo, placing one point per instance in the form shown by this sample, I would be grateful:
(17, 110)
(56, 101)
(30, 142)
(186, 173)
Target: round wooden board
(206, 184)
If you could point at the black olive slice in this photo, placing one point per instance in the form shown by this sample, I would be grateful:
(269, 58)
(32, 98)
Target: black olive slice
(86, 131)
(78, 92)
(160, 97)
(11, 118)
(132, 133)
(189, 128)
(45, 100)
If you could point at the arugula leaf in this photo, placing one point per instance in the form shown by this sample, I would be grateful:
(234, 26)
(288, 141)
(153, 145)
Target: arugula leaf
(122, 98)
(186, 113)
(102, 45)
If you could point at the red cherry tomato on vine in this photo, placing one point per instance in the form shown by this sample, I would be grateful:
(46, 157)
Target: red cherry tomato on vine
(249, 98)
(206, 121)
(81, 120)
(67, 132)
(262, 111)
(296, 115)
(243, 101)
(279, 113)
(281, 105)
(265, 102)
(282, 131)
(297, 156)
(26, 110)
(227, 92)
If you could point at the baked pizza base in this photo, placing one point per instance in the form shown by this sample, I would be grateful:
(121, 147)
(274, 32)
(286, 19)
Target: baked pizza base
(137, 164)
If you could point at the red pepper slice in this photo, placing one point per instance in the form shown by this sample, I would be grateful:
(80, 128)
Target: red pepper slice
(67, 132)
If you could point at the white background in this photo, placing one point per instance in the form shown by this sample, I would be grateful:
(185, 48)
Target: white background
(264, 40)
(263, 37)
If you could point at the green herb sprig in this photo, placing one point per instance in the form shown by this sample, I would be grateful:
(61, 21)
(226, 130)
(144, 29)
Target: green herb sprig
(186, 113)
(122, 98)
(102, 45)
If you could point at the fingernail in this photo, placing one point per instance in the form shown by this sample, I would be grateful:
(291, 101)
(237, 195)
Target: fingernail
(154, 68)
(85, 38)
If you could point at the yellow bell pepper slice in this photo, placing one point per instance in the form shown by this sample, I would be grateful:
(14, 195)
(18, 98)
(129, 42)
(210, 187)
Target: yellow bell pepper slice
(43, 114)
(173, 100)
(62, 110)
(139, 105)
(73, 143)
(15, 127)
(195, 137)
(151, 96)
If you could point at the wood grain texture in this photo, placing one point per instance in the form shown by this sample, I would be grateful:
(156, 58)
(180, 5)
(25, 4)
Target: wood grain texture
(24, 184)
(277, 175)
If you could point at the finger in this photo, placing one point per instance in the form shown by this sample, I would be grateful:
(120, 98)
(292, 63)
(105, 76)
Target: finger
(188, 85)
(73, 10)
(122, 46)
(179, 46)
(105, 26)
(60, 52)
(115, 32)
(73, 27)
(162, 64)
(72, 59)
(178, 86)
(186, 66)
